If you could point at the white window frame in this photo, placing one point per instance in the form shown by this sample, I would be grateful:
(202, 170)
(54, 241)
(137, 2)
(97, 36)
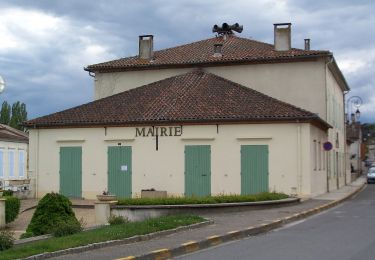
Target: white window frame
(21, 164)
(11, 162)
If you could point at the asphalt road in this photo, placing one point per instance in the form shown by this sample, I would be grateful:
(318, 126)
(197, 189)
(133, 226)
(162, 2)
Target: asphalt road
(344, 232)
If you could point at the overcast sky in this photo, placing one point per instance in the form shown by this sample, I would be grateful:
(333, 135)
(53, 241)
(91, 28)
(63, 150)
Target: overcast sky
(44, 45)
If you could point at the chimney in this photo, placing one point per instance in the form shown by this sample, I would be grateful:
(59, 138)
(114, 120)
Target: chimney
(282, 36)
(217, 50)
(146, 47)
(307, 44)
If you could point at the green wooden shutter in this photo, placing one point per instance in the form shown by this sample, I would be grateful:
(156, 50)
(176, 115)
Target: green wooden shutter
(120, 171)
(71, 171)
(197, 170)
(254, 169)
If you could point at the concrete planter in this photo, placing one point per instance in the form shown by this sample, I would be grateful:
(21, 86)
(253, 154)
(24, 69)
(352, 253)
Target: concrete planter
(153, 194)
(106, 197)
(139, 213)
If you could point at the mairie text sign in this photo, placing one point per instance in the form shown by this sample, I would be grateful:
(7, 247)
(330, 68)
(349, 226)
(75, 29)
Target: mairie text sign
(158, 131)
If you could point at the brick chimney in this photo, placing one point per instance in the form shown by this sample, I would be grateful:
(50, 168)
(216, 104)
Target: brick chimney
(307, 44)
(146, 47)
(218, 50)
(282, 36)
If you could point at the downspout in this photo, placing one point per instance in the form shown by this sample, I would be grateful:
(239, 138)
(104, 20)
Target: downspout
(299, 160)
(36, 161)
(328, 165)
(344, 143)
(331, 170)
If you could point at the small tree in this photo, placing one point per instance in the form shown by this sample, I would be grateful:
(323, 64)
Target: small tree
(5, 113)
(53, 210)
(19, 115)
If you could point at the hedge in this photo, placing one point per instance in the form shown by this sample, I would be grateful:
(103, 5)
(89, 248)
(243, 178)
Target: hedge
(264, 196)
(12, 208)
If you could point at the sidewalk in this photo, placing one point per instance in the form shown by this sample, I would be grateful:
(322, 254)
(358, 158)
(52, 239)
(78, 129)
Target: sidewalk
(223, 223)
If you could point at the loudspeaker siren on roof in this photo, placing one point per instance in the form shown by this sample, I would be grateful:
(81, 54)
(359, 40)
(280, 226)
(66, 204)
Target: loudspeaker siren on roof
(227, 29)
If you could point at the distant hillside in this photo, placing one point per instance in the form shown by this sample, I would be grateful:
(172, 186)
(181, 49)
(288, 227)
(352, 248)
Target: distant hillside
(368, 133)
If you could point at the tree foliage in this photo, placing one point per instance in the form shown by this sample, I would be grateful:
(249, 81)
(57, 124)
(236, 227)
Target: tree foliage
(13, 115)
(5, 113)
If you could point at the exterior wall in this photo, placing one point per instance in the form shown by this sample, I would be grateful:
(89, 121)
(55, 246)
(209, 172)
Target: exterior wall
(289, 157)
(6, 147)
(107, 84)
(318, 166)
(299, 83)
(337, 174)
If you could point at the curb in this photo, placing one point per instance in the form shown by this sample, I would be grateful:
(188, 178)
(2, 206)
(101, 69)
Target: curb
(192, 246)
(266, 203)
(129, 240)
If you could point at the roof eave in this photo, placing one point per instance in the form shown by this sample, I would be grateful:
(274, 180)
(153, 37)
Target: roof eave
(317, 120)
(334, 68)
(301, 58)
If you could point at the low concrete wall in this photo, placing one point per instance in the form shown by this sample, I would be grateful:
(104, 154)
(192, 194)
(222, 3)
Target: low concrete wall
(139, 213)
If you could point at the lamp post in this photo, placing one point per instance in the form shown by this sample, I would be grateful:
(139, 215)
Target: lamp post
(2, 84)
(354, 102)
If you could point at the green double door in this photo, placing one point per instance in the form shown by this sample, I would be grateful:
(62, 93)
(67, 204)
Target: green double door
(254, 169)
(120, 171)
(197, 170)
(71, 171)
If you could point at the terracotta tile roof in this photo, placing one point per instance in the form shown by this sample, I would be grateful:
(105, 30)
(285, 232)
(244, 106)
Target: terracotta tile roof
(235, 50)
(10, 134)
(192, 97)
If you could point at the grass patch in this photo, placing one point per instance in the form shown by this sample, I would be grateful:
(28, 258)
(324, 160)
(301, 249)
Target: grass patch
(99, 235)
(264, 196)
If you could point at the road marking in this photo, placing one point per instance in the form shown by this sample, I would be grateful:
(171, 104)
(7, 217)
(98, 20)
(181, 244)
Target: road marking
(162, 254)
(126, 258)
(191, 246)
(214, 240)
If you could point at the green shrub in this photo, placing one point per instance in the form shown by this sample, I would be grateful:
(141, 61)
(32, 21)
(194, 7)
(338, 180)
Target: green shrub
(26, 235)
(12, 208)
(67, 228)
(264, 196)
(117, 220)
(7, 193)
(6, 240)
(53, 209)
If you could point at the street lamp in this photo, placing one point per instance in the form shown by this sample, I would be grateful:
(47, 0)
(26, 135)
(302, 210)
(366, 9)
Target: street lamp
(2, 84)
(353, 102)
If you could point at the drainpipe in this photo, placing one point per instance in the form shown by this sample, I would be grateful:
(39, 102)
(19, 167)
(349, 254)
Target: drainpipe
(299, 159)
(345, 150)
(36, 162)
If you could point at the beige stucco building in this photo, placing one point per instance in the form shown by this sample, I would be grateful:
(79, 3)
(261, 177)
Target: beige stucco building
(136, 94)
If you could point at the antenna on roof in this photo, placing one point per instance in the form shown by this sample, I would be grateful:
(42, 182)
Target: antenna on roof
(227, 29)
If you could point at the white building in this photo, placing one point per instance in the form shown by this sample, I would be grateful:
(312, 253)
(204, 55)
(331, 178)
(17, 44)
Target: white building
(158, 122)
(13, 156)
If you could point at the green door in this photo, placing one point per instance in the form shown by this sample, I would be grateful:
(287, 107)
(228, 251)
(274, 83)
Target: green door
(254, 169)
(71, 171)
(197, 170)
(120, 171)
